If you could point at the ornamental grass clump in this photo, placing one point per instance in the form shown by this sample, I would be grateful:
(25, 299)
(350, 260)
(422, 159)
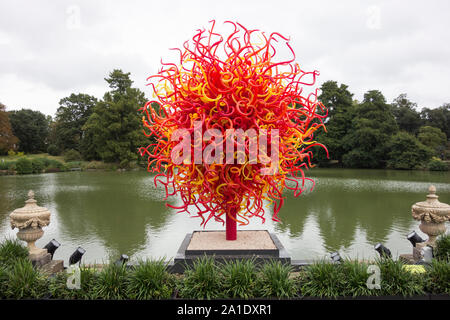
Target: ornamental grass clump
(355, 277)
(202, 281)
(322, 279)
(111, 282)
(150, 280)
(437, 278)
(397, 281)
(58, 288)
(240, 279)
(443, 248)
(3, 281)
(25, 281)
(275, 281)
(11, 251)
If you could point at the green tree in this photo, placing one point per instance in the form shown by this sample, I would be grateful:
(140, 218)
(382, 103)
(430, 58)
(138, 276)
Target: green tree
(433, 138)
(71, 116)
(31, 127)
(407, 152)
(404, 111)
(439, 118)
(340, 106)
(7, 139)
(368, 140)
(113, 132)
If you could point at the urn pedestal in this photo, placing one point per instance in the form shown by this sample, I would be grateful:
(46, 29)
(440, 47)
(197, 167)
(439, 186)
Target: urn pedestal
(433, 215)
(29, 220)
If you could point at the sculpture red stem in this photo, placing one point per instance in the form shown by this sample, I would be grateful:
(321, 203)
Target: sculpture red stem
(230, 225)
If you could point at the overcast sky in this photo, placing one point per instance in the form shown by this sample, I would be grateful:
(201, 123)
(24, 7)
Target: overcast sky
(50, 49)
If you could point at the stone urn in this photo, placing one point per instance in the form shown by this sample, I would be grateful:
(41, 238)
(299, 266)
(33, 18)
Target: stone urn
(29, 220)
(433, 215)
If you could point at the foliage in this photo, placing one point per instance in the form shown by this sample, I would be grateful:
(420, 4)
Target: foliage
(24, 166)
(240, 279)
(433, 138)
(38, 165)
(202, 281)
(11, 153)
(368, 140)
(437, 278)
(407, 152)
(7, 165)
(322, 279)
(72, 155)
(395, 280)
(340, 106)
(113, 131)
(53, 150)
(32, 128)
(71, 116)
(276, 281)
(436, 164)
(8, 140)
(111, 282)
(438, 118)
(406, 116)
(443, 247)
(57, 286)
(24, 281)
(150, 280)
(10, 251)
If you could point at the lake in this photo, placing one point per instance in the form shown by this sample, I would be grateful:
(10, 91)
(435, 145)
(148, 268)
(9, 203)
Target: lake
(110, 213)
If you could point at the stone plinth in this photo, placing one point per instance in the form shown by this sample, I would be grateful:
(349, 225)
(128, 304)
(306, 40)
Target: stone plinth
(259, 245)
(53, 266)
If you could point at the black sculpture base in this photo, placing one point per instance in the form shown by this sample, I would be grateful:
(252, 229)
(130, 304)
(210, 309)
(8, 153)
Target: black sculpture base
(194, 247)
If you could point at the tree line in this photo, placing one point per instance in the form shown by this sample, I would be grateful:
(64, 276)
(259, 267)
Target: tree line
(376, 134)
(367, 134)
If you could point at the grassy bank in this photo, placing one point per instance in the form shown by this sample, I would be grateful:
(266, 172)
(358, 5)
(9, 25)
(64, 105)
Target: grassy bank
(149, 279)
(45, 163)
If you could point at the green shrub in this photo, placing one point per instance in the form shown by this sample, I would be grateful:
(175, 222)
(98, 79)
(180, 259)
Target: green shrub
(438, 277)
(73, 164)
(11, 153)
(124, 164)
(111, 282)
(395, 280)
(72, 155)
(20, 154)
(58, 285)
(150, 280)
(436, 164)
(3, 281)
(53, 150)
(24, 281)
(52, 165)
(24, 166)
(355, 278)
(442, 251)
(202, 281)
(240, 279)
(6, 165)
(38, 165)
(322, 279)
(11, 251)
(275, 281)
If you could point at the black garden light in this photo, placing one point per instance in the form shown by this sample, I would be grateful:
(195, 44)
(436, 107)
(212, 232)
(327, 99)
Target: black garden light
(383, 251)
(336, 257)
(52, 246)
(76, 256)
(414, 238)
(123, 259)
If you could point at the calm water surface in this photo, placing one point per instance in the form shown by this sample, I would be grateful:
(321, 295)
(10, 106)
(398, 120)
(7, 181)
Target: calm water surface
(109, 213)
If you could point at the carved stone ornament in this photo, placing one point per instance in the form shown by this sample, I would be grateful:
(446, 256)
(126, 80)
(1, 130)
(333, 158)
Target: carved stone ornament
(433, 215)
(29, 220)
